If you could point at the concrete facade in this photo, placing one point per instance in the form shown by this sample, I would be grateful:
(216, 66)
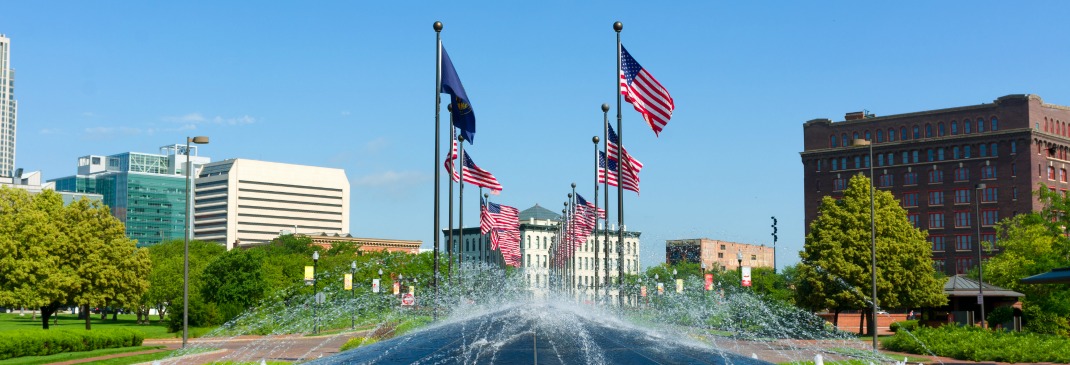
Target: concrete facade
(241, 201)
(933, 162)
(8, 110)
(717, 254)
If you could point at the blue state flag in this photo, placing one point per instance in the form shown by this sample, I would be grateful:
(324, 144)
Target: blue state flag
(460, 107)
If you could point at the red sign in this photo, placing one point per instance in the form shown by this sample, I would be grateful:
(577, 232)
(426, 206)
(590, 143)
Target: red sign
(709, 281)
(408, 299)
(746, 276)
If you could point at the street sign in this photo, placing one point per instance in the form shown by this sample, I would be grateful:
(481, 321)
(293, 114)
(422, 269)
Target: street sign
(709, 282)
(746, 276)
(408, 299)
(347, 281)
(980, 299)
(375, 285)
(320, 298)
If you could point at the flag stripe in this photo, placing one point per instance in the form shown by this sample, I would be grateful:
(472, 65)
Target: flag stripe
(648, 96)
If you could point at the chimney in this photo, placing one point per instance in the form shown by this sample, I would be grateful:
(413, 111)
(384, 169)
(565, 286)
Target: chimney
(854, 116)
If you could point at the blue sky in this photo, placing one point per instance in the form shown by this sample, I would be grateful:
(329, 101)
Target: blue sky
(350, 85)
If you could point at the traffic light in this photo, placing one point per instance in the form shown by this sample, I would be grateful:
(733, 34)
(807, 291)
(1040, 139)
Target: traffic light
(774, 230)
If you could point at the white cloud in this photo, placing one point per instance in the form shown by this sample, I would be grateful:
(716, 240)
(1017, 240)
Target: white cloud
(51, 131)
(198, 118)
(376, 145)
(391, 179)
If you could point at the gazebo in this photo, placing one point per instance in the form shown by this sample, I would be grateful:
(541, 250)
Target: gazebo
(962, 307)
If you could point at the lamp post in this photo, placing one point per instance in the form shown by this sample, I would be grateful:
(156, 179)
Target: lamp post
(353, 293)
(381, 281)
(401, 284)
(980, 270)
(872, 243)
(315, 292)
(185, 245)
(739, 261)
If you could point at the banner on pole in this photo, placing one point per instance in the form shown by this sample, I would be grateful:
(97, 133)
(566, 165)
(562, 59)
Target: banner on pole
(661, 288)
(397, 288)
(709, 282)
(310, 274)
(746, 276)
(375, 285)
(347, 281)
(679, 285)
(642, 291)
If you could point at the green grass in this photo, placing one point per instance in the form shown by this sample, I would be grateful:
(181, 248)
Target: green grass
(33, 360)
(156, 329)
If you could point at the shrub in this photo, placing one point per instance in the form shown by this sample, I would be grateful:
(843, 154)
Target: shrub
(909, 325)
(358, 342)
(978, 344)
(21, 343)
(1000, 315)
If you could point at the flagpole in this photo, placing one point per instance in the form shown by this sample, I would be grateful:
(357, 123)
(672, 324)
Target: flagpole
(596, 286)
(449, 241)
(482, 259)
(620, 187)
(605, 188)
(438, 100)
(578, 244)
(460, 204)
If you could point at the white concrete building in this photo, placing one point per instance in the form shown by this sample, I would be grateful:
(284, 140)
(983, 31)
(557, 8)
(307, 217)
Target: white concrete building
(539, 228)
(8, 109)
(31, 182)
(241, 201)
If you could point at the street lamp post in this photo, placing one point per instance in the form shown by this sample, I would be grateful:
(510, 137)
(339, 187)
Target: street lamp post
(739, 262)
(185, 246)
(872, 243)
(401, 285)
(980, 270)
(353, 293)
(315, 292)
(381, 281)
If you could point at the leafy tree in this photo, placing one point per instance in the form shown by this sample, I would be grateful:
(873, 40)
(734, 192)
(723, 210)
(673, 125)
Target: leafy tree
(835, 271)
(1032, 244)
(165, 280)
(234, 282)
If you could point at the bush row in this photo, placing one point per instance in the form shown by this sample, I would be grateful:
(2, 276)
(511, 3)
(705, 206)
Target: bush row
(977, 344)
(47, 342)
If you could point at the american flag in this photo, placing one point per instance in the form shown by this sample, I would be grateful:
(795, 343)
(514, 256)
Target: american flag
(475, 175)
(612, 145)
(644, 92)
(601, 212)
(486, 223)
(631, 180)
(504, 230)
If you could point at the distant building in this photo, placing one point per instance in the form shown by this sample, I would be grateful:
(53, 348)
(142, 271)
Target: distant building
(8, 109)
(249, 202)
(365, 244)
(538, 231)
(717, 254)
(935, 161)
(144, 191)
(31, 182)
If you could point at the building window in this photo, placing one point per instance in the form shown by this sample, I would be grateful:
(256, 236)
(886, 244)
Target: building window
(891, 135)
(1062, 175)
(865, 160)
(720, 255)
(846, 142)
(982, 150)
(910, 199)
(992, 150)
(880, 159)
(962, 196)
(855, 135)
(936, 198)
(928, 130)
(917, 133)
(868, 136)
(963, 242)
(966, 126)
(936, 220)
(962, 174)
(990, 194)
(858, 162)
(910, 178)
(1014, 193)
(938, 243)
(1051, 173)
(931, 154)
(903, 132)
(913, 218)
(966, 151)
(954, 127)
(880, 135)
(962, 265)
(843, 163)
(891, 159)
(995, 124)
(915, 154)
(835, 164)
(980, 125)
(940, 130)
(989, 217)
(940, 154)
(989, 172)
(906, 157)
(936, 176)
(1014, 146)
(839, 184)
(833, 142)
(955, 152)
(886, 180)
(989, 238)
(962, 219)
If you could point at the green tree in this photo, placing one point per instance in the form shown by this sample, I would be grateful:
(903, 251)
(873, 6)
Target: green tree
(835, 271)
(1032, 244)
(234, 282)
(34, 271)
(166, 278)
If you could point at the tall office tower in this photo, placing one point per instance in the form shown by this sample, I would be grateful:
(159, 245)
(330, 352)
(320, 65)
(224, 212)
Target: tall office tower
(8, 109)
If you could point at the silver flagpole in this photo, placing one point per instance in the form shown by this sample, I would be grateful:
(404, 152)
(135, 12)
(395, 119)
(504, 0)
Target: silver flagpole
(596, 266)
(438, 132)
(460, 204)
(620, 187)
(605, 188)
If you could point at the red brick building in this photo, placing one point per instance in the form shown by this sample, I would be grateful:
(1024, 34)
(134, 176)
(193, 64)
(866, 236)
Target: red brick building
(934, 161)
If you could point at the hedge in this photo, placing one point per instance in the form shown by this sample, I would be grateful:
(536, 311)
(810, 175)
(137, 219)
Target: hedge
(977, 344)
(27, 342)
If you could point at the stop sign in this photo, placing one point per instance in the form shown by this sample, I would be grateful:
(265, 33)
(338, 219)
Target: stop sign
(408, 299)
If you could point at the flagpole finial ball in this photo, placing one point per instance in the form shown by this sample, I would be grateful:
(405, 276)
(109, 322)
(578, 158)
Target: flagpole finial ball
(594, 139)
(605, 107)
(438, 26)
(573, 185)
(618, 26)
(460, 137)
(485, 195)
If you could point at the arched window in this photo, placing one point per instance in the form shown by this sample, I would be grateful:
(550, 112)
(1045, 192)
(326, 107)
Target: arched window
(832, 141)
(917, 133)
(954, 127)
(880, 135)
(854, 137)
(995, 124)
(891, 134)
(940, 130)
(980, 125)
(928, 130)
(903, 133)
(846, 142)
(966, 126)
(868, 136)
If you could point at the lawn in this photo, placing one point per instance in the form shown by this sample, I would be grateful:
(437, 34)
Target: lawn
(12, 321)
(68, 356)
